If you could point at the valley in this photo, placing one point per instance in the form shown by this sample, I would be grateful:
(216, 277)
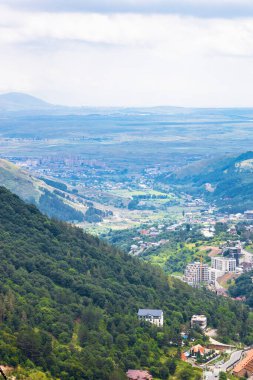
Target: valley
(147, 200)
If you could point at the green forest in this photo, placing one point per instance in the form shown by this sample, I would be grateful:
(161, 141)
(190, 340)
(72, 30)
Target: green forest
(69, 302)
(243, 287)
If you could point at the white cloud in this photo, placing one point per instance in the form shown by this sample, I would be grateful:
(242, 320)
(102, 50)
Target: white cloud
(202, 8)
(127, 59)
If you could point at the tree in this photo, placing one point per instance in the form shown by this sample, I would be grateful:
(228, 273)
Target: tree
(186, 373)
(117, 374)
(222, 376)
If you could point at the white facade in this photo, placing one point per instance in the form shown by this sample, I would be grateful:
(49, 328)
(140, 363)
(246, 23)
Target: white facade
(152, 316)
(248, 214)
(214, 274)
(224, 264)
(199, 320)
(196, 274)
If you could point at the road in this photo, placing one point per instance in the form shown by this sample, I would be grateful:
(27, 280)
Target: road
(234, 358)
(213, 371)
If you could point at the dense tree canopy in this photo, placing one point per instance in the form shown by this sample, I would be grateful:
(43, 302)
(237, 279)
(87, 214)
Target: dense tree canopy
(68, 302)
(243, 287)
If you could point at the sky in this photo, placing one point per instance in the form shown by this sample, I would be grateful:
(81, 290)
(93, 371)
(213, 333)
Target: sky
(193, 53)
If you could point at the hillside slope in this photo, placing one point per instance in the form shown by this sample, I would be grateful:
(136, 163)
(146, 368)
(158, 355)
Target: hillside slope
(243, 287)
(228, 181)
(14, 101)
(68, 301)
(42, 193)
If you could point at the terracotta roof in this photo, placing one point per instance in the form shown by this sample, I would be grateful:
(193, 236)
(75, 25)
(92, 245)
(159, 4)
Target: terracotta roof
(243, 363)
(198, 348)
(134, 374)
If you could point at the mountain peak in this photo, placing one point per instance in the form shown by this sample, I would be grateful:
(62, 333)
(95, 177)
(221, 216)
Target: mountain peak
(18, 101)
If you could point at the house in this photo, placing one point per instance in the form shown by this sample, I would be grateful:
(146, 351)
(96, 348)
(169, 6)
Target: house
(153, 316)
(133, 374)
(199, 320)
(198, 349)
(246, 267)
(245, 367)
(232, 230)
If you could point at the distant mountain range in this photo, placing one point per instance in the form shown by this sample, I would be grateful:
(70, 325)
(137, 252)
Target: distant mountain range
(21, 102)
(15, 101)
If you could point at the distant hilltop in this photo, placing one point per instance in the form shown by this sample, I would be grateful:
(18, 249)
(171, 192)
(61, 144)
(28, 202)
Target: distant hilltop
(21, 102)
(17, 101)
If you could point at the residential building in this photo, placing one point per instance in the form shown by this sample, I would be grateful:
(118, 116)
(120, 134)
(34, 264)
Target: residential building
(196, 274)
(233, 249)
(153, 316)
(199, 320)
(134, 374)
(232, 230)
(248, 214)
(246, 267)
(198, 349)
(245, 367)
(223, 264)
(214, 274)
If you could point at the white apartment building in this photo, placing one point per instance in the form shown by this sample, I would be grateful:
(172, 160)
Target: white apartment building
(214, 274)
(196, 274)
(223, 264)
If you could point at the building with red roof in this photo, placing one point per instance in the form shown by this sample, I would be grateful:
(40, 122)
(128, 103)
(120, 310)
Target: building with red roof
(245, 367)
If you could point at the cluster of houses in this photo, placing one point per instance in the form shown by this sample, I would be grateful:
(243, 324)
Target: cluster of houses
(197, 354)
(156, 317)
(148, 238)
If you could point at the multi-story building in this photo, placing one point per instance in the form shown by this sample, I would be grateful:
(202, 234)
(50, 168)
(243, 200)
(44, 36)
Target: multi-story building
(233, 248)
(214, 274)
(223, 264)
(248, 214)
(199, 320)
(153, 316)
(196, 274)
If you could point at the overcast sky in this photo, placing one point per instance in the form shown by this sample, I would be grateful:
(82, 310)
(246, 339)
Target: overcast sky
(129, 52)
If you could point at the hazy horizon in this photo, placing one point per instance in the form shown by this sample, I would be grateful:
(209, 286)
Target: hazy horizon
(118, 53)
(116, 106)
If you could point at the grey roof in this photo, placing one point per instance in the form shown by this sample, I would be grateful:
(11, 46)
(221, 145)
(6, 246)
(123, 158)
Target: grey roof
(153, 312)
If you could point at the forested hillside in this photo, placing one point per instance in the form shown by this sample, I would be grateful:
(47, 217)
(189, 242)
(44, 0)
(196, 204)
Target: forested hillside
(41, 192)
(228, 182)
(243, 287)
(68, 302)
